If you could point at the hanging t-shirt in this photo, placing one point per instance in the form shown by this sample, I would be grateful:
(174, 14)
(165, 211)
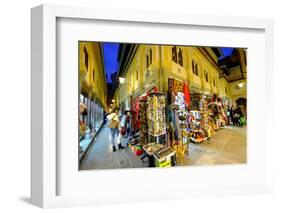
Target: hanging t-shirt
(186, 94)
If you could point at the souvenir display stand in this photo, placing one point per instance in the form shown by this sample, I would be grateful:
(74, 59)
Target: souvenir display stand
(205, 118)
(178, 117)
(182, 115)
(153, 133)
(143, 121)
(156, 117)
(199, 112)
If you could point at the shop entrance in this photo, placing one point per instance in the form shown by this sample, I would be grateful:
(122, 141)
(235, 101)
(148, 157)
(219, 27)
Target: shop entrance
(242, 102)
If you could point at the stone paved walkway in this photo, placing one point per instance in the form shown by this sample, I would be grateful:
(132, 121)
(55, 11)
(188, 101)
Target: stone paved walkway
(227, 146)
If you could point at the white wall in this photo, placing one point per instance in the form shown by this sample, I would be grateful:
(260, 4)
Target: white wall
(15, 98)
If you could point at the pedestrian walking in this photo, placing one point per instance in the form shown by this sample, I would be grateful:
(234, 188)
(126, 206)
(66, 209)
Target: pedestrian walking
(114, 125)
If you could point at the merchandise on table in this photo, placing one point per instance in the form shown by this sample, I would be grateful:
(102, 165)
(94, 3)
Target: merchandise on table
(198, 136)
(152, 147)
(163, 152)
(163, 156)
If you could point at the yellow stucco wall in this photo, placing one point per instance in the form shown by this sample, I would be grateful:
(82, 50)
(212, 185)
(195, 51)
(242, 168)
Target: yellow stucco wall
(236, 91)
(169, 68)
(92, 80)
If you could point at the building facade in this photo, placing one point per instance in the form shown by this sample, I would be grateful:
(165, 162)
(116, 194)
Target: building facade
(93, 88)
(146, 66)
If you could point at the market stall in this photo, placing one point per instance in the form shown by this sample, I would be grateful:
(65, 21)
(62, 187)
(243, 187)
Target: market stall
(179, 131)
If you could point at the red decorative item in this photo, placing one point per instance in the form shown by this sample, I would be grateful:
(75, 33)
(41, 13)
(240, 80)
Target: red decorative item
(186, 94)
(123, 131)
(138, 152)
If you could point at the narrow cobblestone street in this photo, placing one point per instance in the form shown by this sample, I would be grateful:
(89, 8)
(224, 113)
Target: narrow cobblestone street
(101, 156)
(227, 146)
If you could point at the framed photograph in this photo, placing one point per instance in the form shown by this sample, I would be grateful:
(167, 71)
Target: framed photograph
(148, 105)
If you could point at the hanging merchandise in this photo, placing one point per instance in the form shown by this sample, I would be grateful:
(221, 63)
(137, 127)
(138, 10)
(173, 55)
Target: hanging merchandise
(195, 101)
(199, 113)
(178, 115)
(174, 123)
(176, 145)
(135, 123)
(186, 94)
(205, 118)
(217, 116)
(156, 117)
(143, 121)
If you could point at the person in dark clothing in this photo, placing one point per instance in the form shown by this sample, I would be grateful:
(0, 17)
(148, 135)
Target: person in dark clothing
(237, 115)
(240, 114)
(231, 114)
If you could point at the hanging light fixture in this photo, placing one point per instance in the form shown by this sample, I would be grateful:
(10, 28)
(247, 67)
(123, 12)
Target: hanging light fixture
(240, 85)
(122, 80)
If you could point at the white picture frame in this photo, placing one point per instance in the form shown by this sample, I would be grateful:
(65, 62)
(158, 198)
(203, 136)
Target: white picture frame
(45, 179)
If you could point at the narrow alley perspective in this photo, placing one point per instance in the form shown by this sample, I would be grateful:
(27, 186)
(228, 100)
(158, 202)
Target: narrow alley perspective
(161, 106)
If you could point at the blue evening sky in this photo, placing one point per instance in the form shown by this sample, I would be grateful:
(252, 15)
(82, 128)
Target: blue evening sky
(110, 51)
(226, 51)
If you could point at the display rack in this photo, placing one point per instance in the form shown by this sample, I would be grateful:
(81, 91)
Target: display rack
(156, 117)
(205, 118)
(182, 115)
(204, 113)
(143, 121)
(197, 133)
(163, 157)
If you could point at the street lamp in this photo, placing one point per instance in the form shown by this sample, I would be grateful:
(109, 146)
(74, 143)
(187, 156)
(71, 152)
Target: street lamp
(113, 100)
(122, 80)
(240, 85)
